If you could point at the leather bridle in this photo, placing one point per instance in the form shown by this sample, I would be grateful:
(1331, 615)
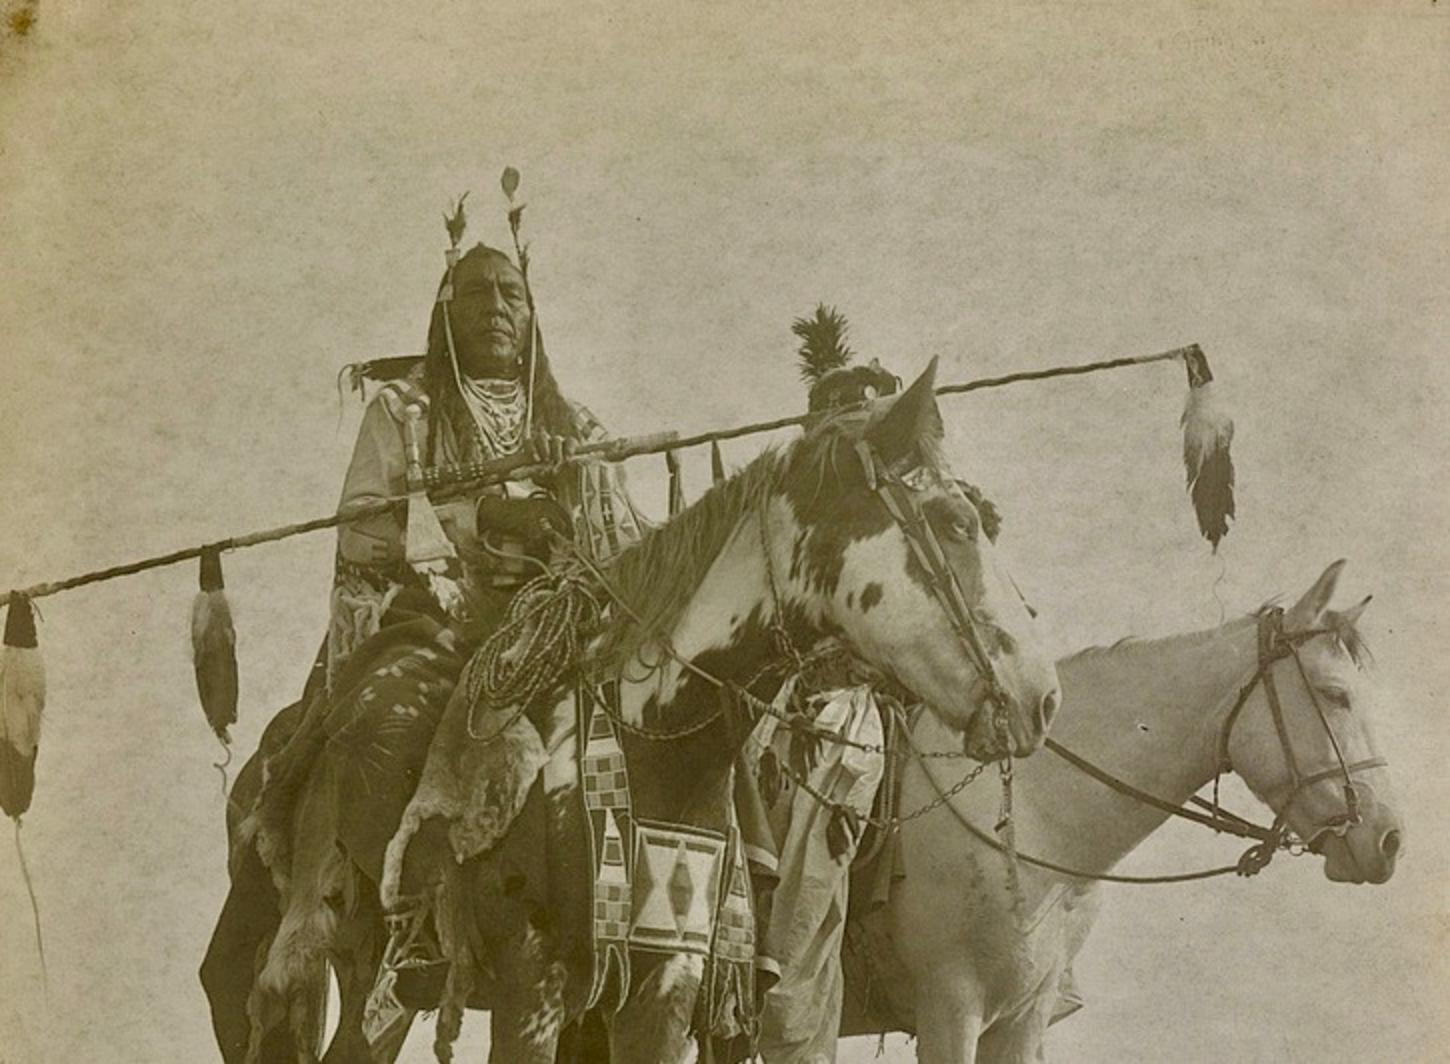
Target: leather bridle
(1274, 645)
(903, 503)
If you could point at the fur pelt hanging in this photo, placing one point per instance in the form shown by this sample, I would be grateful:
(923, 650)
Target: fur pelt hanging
(22, 702)
(1207, 435)
(214, 647)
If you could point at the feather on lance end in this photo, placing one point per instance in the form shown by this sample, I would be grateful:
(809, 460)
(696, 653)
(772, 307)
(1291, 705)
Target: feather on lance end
(214, 648)
(1208, 462)
(717, 463)
(22, 703)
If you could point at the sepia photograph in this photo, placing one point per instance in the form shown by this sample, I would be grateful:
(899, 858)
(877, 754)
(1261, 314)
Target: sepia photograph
(648, 534)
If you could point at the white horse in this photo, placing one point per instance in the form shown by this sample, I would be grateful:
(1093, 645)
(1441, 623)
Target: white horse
(1282, 701)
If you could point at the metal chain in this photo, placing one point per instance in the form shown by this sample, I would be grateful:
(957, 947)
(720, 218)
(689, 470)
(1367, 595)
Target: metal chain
(890, 823)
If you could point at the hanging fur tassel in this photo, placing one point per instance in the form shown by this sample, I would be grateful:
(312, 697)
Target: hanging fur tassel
(717, 463)
(677, 486)
(22, 701)
(214, 648)
(1207, 434)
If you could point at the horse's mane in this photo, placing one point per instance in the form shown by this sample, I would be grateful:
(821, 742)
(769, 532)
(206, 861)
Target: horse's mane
(1349, 638)
(659, 575)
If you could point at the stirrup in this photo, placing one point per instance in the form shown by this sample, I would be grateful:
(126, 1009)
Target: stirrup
(409, 947)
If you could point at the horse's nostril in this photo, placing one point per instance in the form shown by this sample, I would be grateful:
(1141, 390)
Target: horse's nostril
(1390, 844)
(1050, 702)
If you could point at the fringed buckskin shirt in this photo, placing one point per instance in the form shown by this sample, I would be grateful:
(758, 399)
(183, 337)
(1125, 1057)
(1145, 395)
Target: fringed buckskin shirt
(371, 566)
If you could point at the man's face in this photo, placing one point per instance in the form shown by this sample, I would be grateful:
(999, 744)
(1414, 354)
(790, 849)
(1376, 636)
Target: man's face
(490, 315)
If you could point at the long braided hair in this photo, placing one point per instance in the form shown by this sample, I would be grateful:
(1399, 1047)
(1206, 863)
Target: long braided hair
(551, 413)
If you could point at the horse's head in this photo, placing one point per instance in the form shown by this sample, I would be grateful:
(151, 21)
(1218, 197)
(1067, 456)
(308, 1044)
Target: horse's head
(872, 537)
(1312, 756)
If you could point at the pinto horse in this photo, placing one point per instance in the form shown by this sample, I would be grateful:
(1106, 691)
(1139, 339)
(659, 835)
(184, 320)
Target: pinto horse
(855, 533)
(1282, 699)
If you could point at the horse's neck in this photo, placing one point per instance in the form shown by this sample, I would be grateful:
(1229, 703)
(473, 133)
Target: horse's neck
(1149, 713)
(724, 631)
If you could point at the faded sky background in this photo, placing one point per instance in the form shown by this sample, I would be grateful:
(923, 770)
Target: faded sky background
(207, 208)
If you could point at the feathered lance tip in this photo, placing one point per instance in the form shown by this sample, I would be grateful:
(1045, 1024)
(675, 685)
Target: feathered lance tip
(823, 343)
(214, 647)
(22, 702)
(1207, 435)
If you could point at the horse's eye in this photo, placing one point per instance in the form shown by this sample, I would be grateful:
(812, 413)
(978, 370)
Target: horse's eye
(1335, 696)
(964, 528)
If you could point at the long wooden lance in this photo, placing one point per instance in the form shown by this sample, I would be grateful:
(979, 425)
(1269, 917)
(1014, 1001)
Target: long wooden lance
(451, 481)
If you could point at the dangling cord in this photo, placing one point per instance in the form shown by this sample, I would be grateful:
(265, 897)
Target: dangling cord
(533, 362)
(221, 766)
(1008, 830)
(1005, 825)
(1222, 572)
(34, 908)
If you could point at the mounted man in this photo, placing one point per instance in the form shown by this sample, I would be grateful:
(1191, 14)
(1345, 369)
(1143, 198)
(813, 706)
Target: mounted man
(412, 598)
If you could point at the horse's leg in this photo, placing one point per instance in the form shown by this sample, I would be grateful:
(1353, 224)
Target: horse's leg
(1020, 1040)
(653, 1027)
(295, 971)
(948, 1020)
(247, 923)
(529, 1017)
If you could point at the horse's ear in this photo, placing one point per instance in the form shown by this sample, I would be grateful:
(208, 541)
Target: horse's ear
(1307, 611)
(912, 418)
(1346, 620)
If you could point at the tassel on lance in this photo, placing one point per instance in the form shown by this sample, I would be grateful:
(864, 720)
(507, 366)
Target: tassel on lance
(1207, 435)
(427, 549)
(717, 463)
(214, 648)
(22, 703)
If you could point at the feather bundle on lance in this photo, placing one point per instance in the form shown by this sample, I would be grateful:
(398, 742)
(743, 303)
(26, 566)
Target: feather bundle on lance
(1207, 434)
(214, 648)
(22, 701)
